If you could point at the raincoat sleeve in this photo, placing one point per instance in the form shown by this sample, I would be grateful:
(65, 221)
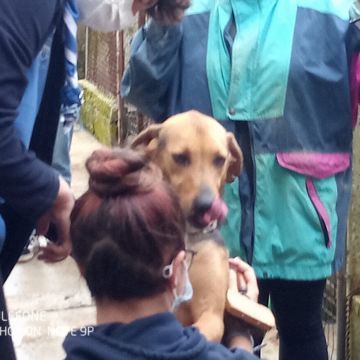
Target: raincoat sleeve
(26, 183)
(152, 65)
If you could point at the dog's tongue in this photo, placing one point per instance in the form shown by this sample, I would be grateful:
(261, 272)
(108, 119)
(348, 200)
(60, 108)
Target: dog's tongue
(218, 211)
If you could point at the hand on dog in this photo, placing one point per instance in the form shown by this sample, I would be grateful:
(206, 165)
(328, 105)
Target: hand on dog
(142, 5)
(59, 215)
(168, 12)
(242, 278)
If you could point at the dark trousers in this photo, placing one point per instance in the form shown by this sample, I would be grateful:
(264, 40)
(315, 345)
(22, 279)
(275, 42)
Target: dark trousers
(297, 308)
(6, 345)
(18, 230)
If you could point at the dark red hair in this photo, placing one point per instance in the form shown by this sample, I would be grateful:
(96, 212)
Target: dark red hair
(126, 227)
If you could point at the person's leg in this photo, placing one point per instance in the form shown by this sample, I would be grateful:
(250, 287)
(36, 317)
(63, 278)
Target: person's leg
(6, 345)
(28, 109)
(61, 157)
(297, 308)
(30, 102)
(18, 231)
(264, 293)
(2, 230)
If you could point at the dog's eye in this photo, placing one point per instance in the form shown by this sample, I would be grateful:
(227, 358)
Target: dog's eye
(219, 161)
(181, 159)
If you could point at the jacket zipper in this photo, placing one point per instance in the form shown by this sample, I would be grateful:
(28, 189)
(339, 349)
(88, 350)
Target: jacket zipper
(251, 138)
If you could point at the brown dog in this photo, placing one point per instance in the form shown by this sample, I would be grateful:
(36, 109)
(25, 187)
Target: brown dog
(197, 156)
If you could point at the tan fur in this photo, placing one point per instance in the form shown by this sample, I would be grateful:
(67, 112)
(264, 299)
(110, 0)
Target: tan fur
(205, 142)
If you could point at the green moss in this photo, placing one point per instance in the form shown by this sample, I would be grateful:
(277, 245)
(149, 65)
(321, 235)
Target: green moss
(99, 113)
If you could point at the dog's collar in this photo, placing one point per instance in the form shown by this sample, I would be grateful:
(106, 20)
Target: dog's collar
(210, 232)
(210, 228)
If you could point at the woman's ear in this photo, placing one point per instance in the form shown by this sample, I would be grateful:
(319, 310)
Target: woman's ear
(177, 268)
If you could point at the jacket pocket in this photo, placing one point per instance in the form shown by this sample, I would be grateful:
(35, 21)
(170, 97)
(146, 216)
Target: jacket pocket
(315, 167)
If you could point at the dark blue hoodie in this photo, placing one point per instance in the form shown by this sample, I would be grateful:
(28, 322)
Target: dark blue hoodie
(157, 337)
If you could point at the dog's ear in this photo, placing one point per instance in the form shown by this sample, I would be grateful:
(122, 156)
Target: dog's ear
(146, 137)
(236, 161)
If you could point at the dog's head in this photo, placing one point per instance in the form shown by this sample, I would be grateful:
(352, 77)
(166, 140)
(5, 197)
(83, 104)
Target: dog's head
(197, 156)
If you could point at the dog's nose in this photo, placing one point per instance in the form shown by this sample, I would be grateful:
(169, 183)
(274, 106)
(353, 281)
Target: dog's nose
(203, 201)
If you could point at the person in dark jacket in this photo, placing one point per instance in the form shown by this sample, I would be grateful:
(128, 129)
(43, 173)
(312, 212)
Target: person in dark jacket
(128, 234)
(32, 194)
(30, 191)
(29, 188)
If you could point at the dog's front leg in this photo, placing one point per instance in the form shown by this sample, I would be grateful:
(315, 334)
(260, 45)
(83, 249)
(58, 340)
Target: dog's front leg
(209, 275)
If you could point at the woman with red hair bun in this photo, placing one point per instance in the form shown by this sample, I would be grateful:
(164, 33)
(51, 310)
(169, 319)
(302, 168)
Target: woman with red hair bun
(128, 234)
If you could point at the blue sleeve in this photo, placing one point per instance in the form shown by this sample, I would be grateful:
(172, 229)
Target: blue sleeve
(153, 61)
(26, 183)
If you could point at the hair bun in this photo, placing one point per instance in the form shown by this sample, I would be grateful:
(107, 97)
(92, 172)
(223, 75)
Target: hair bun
(115, 171)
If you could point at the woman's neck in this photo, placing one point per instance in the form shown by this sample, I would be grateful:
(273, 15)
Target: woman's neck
(108, 311)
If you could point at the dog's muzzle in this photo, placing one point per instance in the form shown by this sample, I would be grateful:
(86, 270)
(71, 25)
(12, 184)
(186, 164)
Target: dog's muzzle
(217, 212)
(207, 208)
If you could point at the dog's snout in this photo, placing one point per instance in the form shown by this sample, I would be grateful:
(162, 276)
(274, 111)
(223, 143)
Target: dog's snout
(203, 201)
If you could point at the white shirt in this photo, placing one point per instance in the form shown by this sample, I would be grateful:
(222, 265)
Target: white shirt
(106, 15)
